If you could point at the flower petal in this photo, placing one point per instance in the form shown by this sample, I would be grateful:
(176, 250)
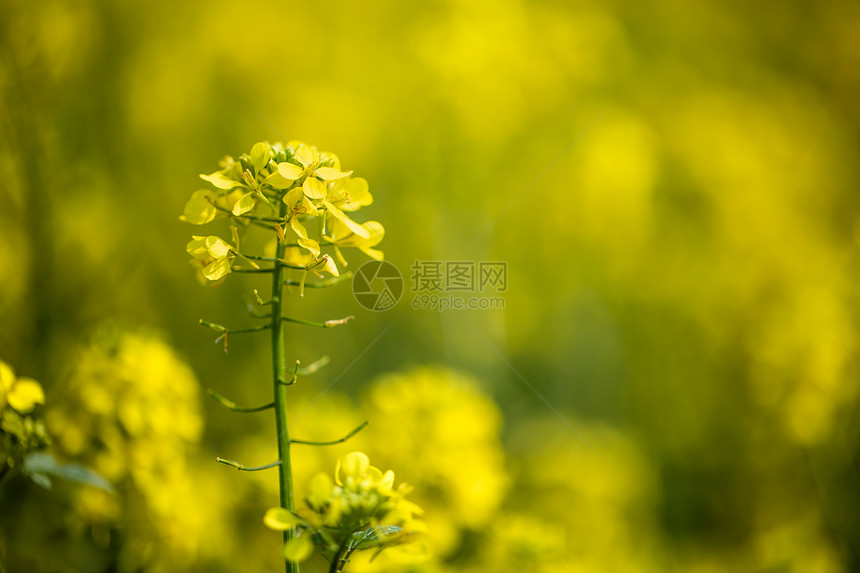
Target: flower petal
(197, 247)
(259, 156)
(314, 188)
(290, 171)
(245, 204)
(353, 464)
(319, 489)
(25, 394)
(299, 548)
(324, 264)
(199, 210)
(217, 269)
(278, 181)
(340, 216)
(220, 180)
(305, 241)
(356, 193)
(218, 248)
(309, 207)
(307, 155)
(7, 378)
(374, 254)
(280, 519)
(330, 173)
(295, 256)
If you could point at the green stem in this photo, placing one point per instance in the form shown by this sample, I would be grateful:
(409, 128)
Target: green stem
(333, 442)
(247, 330)
(240, 467)
(336, 564)
(320, 284)
(231, 405)
(327, 324)
(280, 390)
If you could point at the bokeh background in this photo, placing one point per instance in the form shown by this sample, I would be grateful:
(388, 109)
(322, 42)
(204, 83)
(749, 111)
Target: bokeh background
(674, 187)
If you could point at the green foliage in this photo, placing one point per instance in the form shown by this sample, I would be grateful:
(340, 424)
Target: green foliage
(39, 467)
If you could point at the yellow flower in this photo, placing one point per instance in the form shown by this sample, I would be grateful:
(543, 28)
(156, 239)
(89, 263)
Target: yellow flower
(207, 205)
(130, 410)
(21, 394)
(317, 168)
(343, 236)
(349, 194)
(312, 186)
(213, 256)
(360, 509)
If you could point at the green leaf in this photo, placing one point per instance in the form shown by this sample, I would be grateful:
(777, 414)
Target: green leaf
(374, 537)
(259, 156)
(12, 423)
(38, 466)
(298, 548)
(280, 519)
(40, 479)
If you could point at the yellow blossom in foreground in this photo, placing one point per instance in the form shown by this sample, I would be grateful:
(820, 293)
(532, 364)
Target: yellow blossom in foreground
(359, 509)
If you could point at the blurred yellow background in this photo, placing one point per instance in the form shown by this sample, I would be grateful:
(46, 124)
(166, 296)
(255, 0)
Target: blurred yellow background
(674, 189)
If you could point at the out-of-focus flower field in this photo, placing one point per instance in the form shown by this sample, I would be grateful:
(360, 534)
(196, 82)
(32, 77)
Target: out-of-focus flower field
(671, 384)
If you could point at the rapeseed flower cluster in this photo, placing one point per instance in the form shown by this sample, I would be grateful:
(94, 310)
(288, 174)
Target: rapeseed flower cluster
(130, 411)
(295, 190)
(359, 509)
(21, 431)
